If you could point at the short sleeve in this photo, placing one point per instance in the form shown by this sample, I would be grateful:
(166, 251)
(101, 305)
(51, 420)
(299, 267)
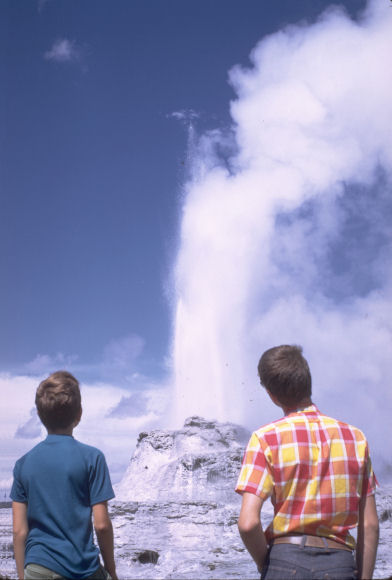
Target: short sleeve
(255, 476)
(100, 485)
(18, 492)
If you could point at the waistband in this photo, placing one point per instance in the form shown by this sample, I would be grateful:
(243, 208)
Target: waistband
(311, 542)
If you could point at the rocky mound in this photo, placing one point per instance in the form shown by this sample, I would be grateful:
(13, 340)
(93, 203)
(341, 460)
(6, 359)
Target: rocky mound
(199, 462)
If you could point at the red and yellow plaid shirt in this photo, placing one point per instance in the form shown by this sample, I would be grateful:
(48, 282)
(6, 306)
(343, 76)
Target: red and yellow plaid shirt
(315, 469)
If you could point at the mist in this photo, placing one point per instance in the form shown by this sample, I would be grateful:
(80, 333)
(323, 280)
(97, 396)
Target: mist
(285, 234)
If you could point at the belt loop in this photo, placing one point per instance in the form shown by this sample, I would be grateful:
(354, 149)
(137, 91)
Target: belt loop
(303, 542)
(325, 543)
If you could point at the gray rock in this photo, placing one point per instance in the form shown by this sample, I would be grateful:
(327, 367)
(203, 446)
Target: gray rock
(386, 515)
(201, 461)
(147, 557)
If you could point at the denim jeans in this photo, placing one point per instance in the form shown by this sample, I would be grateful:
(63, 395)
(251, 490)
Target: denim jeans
(290, 561)
(38, 572)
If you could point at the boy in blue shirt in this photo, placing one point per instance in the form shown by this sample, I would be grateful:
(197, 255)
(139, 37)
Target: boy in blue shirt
(57, 486)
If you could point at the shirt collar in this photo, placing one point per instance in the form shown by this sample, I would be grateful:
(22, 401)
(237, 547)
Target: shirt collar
(56, 436)
(309, 410)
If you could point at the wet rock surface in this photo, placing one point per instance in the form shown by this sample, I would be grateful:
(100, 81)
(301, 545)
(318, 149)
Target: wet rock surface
(198, 462)
(386, 515)
(194, 540)
(175, 514)
(146, 557)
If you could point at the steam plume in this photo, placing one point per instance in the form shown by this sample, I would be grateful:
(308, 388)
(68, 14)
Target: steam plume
(287, 239)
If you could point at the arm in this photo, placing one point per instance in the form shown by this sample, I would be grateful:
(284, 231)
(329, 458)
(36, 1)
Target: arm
(249, 526)
(104, 530)
(20, 531)
(367, 540)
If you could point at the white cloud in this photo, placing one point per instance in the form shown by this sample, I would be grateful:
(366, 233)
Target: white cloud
(134, 405)
(186, 115)
(121, 353)
(5, 486)
(118, 362)
(288, 240)
(31, 429)
(18, 398)
(114, 432)
(63, 50)
(18, 395)
(45, 363)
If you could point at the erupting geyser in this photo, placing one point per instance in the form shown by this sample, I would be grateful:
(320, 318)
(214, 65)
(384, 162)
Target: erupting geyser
(273, 236)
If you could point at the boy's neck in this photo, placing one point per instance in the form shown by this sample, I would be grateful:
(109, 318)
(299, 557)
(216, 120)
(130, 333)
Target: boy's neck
(301, 405)
(67, 431)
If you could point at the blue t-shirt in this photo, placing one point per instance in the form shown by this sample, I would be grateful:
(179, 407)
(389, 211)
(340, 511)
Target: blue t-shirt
(60, 479)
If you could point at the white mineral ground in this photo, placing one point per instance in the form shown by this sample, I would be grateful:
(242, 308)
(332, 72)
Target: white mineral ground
(176, 503)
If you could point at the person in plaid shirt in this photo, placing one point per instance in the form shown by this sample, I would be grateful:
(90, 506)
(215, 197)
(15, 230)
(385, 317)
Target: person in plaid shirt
(318, 474)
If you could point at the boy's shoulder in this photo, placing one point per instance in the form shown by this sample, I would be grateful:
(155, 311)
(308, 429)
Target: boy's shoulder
(50, 446)
(73, 445)
(86, 449)
(61, 462)
(30, 453)
(290, 422)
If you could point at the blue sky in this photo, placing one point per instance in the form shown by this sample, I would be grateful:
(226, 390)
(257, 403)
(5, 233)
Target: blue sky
(129, 252)
(92, 163)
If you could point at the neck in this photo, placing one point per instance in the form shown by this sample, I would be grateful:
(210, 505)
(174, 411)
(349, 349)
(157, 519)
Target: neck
(61, 431)
(301, 405)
